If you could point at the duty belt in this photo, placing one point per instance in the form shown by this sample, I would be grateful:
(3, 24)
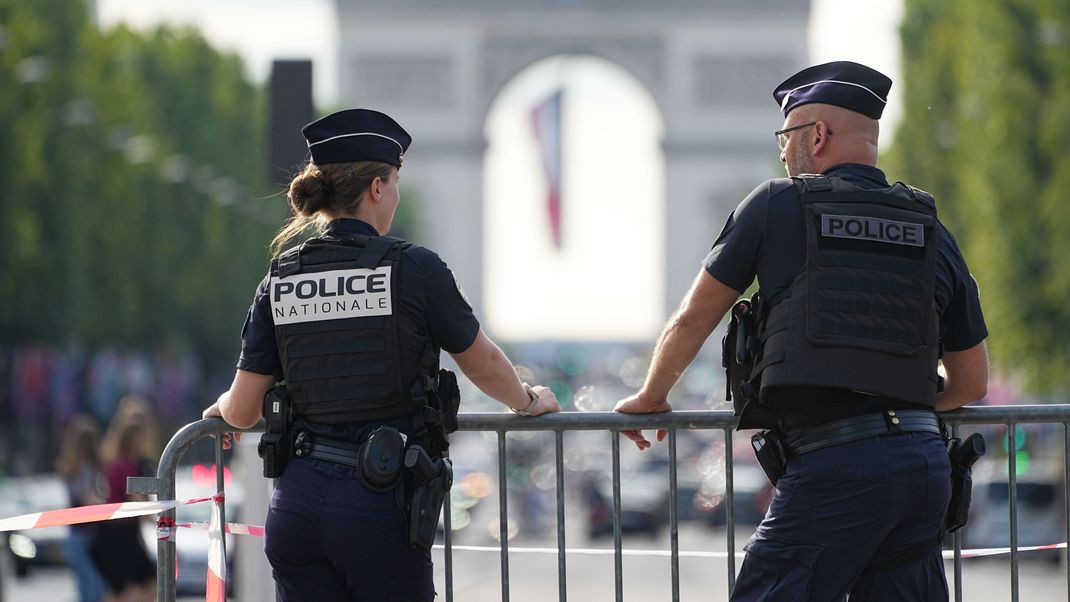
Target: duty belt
(845, 430)
(307, 445)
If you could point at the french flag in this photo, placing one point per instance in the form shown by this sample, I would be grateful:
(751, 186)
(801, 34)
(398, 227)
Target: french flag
(546, 124)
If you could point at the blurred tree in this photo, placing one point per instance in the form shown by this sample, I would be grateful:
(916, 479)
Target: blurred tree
(134, 203)
(986, 120)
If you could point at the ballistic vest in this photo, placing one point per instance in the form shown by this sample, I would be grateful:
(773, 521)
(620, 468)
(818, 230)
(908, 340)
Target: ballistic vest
(347, 350)
(861, 314)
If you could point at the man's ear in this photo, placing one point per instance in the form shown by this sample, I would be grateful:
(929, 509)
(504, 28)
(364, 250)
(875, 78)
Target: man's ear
(820, 138)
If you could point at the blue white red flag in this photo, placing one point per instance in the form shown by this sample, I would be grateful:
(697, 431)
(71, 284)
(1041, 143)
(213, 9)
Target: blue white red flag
(546, 124)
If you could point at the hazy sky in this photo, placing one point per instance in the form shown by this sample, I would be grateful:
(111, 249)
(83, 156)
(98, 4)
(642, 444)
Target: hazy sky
(839, 29)
(591, 298)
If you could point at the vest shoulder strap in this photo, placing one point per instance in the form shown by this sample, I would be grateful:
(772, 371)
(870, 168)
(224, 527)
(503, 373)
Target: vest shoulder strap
(287, 264)
(375, 250)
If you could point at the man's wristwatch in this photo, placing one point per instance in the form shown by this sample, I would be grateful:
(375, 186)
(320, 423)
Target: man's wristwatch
(531, 395)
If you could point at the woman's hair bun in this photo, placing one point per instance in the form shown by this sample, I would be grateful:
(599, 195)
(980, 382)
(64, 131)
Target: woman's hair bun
(309, 192)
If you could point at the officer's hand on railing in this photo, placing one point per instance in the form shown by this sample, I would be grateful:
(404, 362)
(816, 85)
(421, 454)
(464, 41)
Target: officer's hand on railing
(546, 403)
(636, 404)
(212, 411)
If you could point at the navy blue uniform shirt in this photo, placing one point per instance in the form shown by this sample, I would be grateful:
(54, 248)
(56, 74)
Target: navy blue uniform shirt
(429, 294)
(764, 237)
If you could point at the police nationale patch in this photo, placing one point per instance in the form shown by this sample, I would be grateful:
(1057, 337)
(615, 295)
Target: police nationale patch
(333, 295)
(872, 228)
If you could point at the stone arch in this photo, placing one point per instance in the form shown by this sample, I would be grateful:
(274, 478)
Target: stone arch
(710, 67)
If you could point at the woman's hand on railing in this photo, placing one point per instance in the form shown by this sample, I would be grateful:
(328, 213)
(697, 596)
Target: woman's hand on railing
(212, 411)
(637, 404)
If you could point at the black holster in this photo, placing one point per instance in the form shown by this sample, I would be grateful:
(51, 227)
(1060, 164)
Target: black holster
(771, 455)
(963, 455)
(427, 481)
(277, 441)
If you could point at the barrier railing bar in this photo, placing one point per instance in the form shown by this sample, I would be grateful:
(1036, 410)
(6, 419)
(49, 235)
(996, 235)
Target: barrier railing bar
(618, 557)
(957, 539)
(163, 486)
(1012, 482)
(447, 548)
(222, 505)
(730, 508)
(559, 461)
(503, 516)
(1066, 492)
(674, 525)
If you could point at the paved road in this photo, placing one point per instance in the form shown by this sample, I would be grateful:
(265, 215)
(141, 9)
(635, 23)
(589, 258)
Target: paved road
(533, 577)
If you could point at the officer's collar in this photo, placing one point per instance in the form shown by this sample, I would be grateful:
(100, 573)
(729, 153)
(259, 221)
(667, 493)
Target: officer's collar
(351, 226)
(866, 176)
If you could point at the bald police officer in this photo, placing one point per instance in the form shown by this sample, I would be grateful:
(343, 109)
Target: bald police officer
(863, 292)
(354, 321)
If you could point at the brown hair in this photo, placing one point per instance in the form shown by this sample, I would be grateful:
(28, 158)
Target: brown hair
(133, 417)
(322, 192)
(80, 446)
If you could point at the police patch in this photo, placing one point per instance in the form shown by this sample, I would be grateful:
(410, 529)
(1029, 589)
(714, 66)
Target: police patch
(333, 295)
(872, 228)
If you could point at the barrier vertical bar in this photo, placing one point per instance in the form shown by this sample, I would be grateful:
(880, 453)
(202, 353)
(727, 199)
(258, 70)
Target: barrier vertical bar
(957, 538)
(503, 516)
(674, 526)
(447, 545)
(1066, 496)
(618, 559)
(1012, 483)
(730, 519)
(559, 461)
(219, 489)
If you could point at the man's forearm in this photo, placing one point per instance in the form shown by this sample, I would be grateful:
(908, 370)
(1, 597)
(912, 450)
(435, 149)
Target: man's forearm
(677, 347)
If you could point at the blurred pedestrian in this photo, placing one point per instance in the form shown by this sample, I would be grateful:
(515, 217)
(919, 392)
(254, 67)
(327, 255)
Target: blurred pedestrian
(355, 321)
(119, 550)
(80, 466)
(863, 295)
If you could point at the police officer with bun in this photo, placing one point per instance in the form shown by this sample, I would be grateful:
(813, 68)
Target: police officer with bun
(862, 293)
(353, 322)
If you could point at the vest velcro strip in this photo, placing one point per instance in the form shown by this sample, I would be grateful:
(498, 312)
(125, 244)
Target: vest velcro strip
(326, 346)
(902, 287)
(868, 329)
(873, 305)
(871, 262)
(315, 396)
(299, 372)
(332, 326)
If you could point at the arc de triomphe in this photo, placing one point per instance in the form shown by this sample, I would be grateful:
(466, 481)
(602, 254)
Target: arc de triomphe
(709, 65)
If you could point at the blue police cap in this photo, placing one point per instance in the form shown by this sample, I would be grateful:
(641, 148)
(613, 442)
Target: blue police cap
(841, 83)
(356, 135)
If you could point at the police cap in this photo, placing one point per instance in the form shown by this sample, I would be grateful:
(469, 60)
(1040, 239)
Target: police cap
(356, 135)
(841, 83)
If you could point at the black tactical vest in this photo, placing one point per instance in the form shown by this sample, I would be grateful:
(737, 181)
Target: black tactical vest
(861, 314)
(348, 351)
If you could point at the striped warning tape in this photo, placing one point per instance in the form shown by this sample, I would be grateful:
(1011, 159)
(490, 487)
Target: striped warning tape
(90, 514)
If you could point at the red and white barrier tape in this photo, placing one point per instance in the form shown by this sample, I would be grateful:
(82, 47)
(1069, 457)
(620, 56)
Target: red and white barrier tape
(90, 514)
(216, 584)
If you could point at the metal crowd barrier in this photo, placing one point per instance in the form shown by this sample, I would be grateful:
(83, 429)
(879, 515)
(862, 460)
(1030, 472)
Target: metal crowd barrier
(500, 423)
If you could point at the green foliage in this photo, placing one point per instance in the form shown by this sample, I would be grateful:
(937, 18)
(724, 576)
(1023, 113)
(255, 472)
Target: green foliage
(987, 119)
(134, 202)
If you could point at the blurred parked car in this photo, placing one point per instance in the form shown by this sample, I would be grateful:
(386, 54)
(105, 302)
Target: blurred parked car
(25, 495)
(1040, 506)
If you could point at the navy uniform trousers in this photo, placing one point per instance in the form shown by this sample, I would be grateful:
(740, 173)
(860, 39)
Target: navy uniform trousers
(329, 539)
(841, 508)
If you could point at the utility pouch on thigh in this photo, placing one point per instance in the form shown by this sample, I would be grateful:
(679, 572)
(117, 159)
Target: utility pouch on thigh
(431, 479)
(381, 459)
(963, 455)
(769, 450)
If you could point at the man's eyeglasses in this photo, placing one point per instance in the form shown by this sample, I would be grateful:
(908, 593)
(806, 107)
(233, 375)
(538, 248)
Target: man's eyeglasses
(782, 135)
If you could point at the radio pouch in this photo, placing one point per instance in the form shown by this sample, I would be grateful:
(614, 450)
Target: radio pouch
(381, 459)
